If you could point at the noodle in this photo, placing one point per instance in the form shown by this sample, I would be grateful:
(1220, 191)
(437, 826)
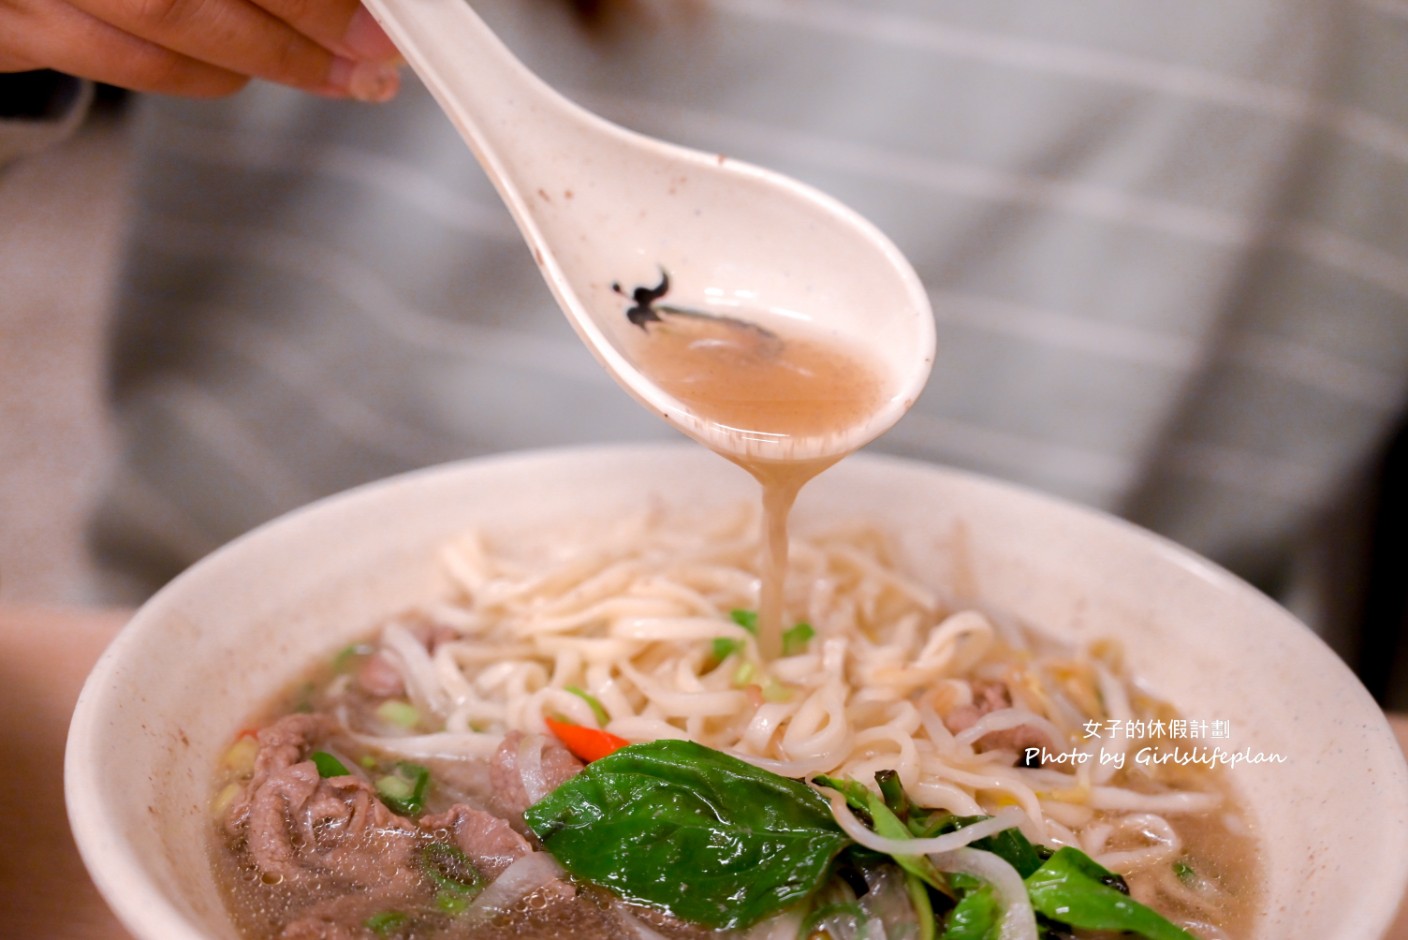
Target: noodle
(630, 616)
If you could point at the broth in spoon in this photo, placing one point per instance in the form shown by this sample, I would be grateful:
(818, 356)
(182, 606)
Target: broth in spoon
(765, 389)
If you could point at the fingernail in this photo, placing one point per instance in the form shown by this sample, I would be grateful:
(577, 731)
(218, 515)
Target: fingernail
(366, 81)
(365, 39)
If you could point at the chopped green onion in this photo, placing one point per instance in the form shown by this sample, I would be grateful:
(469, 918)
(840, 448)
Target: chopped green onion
(343, 660)
(747, 619)
(404, 788)
(598, 709)
(725, 646)
(368, 762)
(744, 673)
(385, 922)
(450, 902)
(393, 787)
(795, 640)
(453, 872)
(1185, 872)
(393, 711)
(328, 766)
(892, 790)
(774, 691)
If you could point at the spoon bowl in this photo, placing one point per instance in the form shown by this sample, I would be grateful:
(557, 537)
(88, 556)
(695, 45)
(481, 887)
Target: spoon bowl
(624, 226)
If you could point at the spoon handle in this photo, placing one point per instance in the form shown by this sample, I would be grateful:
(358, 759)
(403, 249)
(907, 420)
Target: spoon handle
(511, 119)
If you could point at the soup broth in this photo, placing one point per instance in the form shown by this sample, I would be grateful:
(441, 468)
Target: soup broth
(766, 385)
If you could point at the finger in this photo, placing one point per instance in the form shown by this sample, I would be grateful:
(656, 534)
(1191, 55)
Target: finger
(11, 62)
(53, 34)
(240, 37)
(343, 26)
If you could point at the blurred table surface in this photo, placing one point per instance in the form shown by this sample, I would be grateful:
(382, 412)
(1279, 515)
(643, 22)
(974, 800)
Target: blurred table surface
(45, 654)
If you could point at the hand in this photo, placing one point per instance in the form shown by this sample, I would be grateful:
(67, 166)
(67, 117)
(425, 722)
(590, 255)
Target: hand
(203, 48)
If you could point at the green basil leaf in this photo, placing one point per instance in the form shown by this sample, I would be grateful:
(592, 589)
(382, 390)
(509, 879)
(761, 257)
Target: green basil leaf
(1069, 887)
(975, 917)
(1013, 848)
(704, 836)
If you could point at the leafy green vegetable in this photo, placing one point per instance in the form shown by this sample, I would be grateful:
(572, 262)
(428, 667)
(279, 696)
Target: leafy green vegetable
(751, 843)
(1009, 844)
(1013, 848)
(692, 831)
(887, 824)
(1066, 886)
(328, 766)
(795, 639)
(404, 788)
(975, 917)
(1071, 888)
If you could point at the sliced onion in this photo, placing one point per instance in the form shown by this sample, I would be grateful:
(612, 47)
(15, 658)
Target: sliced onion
(530, 767)
(517, 881)
(450, 745)
(1007, 819)
(416, 669)
(1018, 920)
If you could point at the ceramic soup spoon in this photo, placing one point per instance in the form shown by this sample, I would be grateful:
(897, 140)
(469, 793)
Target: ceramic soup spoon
(632, 233)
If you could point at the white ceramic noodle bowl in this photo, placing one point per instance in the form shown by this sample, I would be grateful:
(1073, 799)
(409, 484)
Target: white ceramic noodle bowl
(600, 205)
(221, 640)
